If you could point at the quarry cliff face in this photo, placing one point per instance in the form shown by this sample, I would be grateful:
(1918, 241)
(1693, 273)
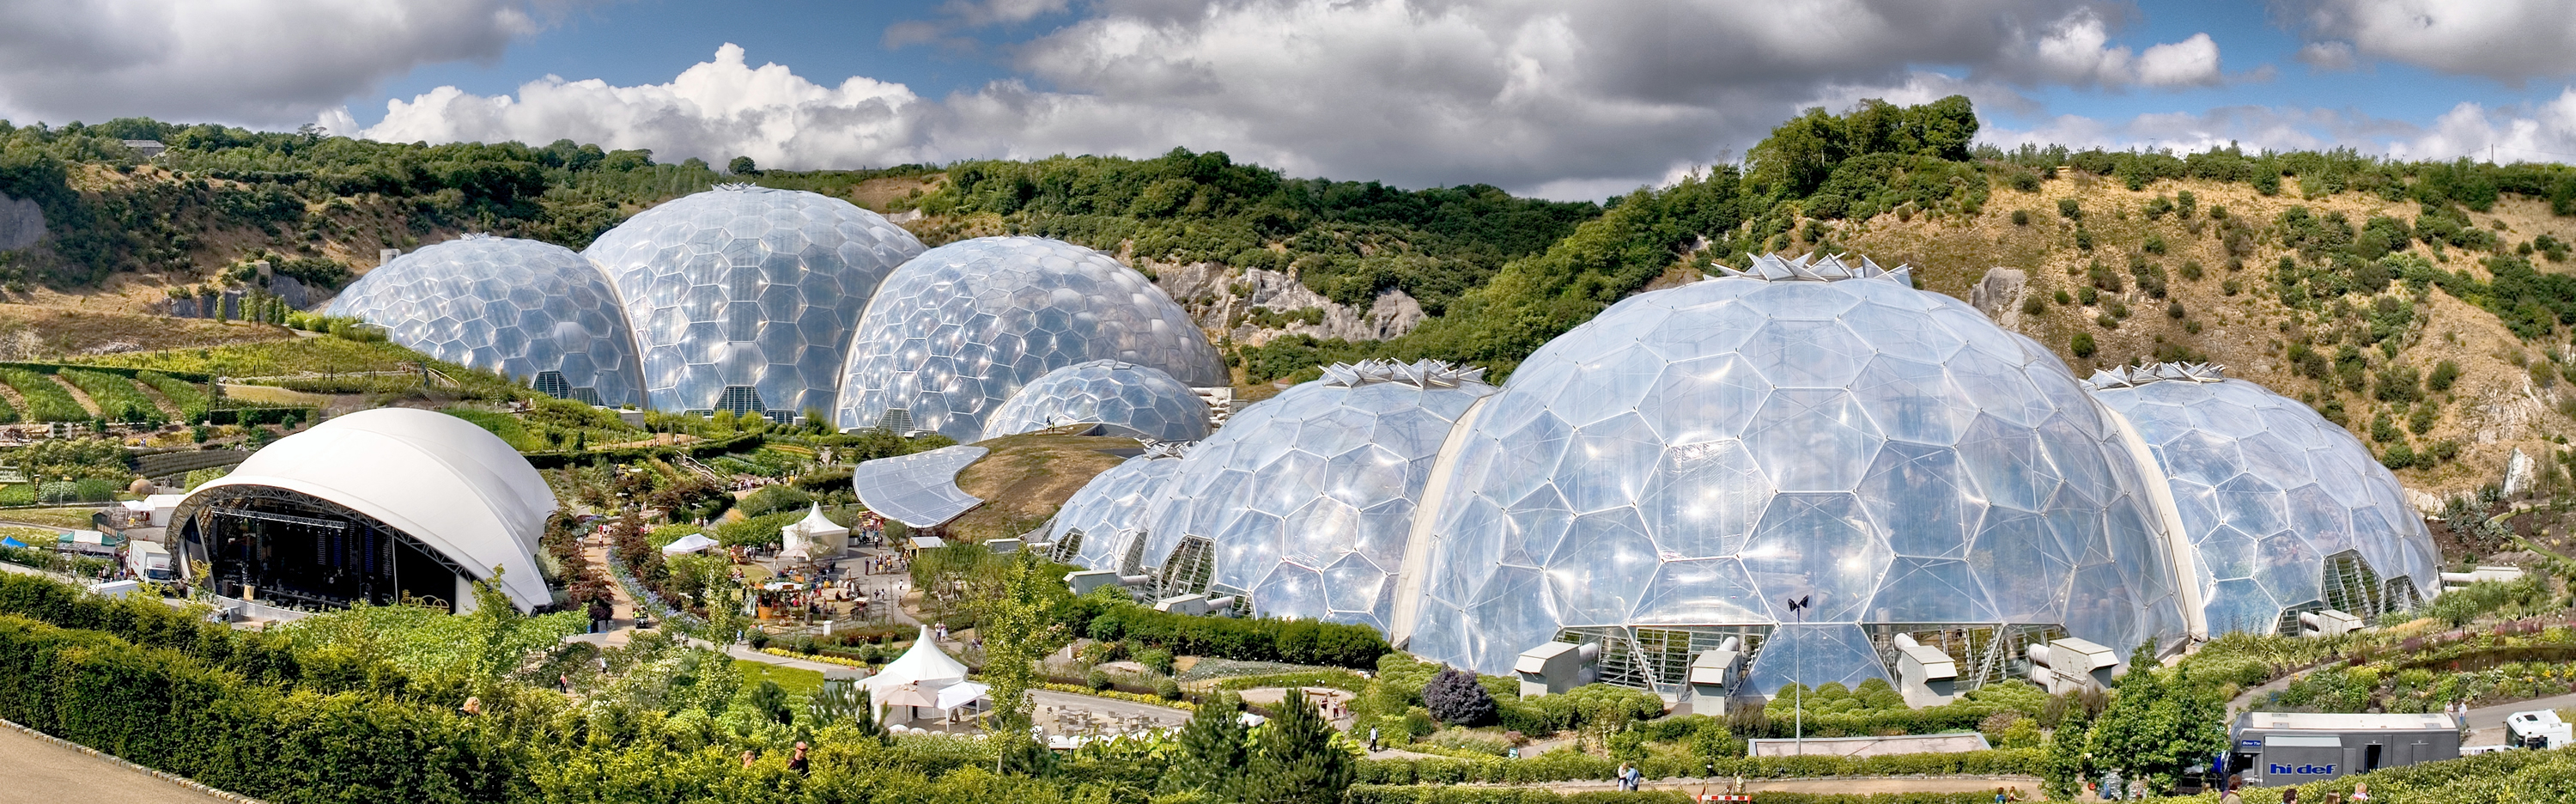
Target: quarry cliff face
(1251, 306)
(2120, 286)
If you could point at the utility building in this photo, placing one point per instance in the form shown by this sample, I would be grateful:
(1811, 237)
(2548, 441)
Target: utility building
(2281, 748)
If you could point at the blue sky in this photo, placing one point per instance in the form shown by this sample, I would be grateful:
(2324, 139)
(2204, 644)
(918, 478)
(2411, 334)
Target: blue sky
(1565, 98)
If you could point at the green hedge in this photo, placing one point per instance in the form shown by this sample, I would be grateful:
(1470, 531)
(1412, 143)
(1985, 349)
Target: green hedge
(1559, 766)
(557, 459)
(117, 397)
(49, 368)
(1253, 640)
(163, 710)
(1396, 794)
(46, 400)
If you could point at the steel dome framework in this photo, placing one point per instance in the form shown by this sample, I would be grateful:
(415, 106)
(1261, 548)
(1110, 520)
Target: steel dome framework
(956, 332)
(743, 298)
(534, 311)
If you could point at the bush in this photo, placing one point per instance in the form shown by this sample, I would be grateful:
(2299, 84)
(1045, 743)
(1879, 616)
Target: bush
(1167, 689)
(2081, 345)
(1560, 766)
(2021, 217)
(1259, 640)
(1456, 699)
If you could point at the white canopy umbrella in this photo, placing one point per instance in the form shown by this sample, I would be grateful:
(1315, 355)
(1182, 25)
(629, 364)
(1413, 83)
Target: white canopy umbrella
(692, 543)
(961, 693)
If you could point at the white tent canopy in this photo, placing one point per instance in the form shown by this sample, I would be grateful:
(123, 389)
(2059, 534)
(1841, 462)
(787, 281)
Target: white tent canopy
(925, 665)
(814, 536)
(692, 543)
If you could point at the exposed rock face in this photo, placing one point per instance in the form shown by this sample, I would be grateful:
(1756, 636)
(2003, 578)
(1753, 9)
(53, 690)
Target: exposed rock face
(1219, 297)
(22, 223)
(1998, 295)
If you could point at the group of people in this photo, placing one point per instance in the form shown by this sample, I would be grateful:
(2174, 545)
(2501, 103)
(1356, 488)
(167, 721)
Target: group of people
(2290, 795)
(885, 565)
(1630, 779)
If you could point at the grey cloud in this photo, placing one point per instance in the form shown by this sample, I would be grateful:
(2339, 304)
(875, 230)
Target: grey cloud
(2508, 40)
(1526, 94)
(276, 62)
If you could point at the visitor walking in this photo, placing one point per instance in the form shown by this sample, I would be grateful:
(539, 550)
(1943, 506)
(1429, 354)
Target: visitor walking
(2234, 783)
(1372, 738)
(796, 762)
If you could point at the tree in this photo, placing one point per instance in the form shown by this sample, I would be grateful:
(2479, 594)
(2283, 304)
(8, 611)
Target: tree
(1212, 749)
(1294, 760)
(1455, 698)
(770, 700)
(2067, 761)
(742, 166)
(2157, 728)
(1019, 626)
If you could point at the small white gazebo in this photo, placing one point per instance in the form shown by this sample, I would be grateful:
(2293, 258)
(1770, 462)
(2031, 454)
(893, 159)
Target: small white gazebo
(813, 537)
(923, 675)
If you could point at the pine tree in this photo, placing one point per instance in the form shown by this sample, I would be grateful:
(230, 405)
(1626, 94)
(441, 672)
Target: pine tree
(1212, 748)
(1294, 760)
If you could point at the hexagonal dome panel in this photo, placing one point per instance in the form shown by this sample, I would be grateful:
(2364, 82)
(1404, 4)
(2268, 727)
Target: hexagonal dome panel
(1128, 399)
(1305, 501)
(748, 288)
(535, 311)
(1098, 525)
(959, 330)
(2284, 511)
(1681, 468)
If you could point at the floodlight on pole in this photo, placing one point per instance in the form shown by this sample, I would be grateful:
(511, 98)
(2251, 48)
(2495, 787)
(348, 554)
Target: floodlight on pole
(1797, 674)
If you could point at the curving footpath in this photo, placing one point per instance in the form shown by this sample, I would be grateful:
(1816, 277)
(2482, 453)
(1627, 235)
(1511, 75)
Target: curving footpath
(45, 770)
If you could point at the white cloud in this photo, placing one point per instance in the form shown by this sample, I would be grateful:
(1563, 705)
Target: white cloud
(2190, 62)
(715, 110)
(2507, 40)
(2545, 132)
(261, 62)
(2328, 56)
(1526, 94)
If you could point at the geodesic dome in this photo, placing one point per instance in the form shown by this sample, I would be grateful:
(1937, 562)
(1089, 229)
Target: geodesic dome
(965, 326)
(1679, 469)
(2284, 512)
(1305, 501)
(1097, 527)
(1131, 400)
(743, 298)
(531, 310)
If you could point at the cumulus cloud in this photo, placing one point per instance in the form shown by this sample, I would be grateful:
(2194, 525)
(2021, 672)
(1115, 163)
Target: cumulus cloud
(714, 110)
(2543, 132)
(2507, 40)
(260, 62)
(1526, 94)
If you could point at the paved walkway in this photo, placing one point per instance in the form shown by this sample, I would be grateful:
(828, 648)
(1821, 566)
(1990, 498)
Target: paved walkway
(41, 772)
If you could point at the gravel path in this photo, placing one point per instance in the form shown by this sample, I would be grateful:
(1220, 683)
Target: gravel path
(43, 772)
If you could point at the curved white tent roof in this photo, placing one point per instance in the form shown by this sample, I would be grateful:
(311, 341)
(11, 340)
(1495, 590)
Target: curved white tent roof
(924, 663)
(455, 487)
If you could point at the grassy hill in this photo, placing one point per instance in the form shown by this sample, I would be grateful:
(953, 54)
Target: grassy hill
(2427, 306)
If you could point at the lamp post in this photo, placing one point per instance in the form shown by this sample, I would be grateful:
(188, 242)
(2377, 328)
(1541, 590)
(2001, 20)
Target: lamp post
(1798, 674)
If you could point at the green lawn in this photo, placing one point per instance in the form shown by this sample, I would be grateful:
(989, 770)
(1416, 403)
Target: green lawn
(796, 682)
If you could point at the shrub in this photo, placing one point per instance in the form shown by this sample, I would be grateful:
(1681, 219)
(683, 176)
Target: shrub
(2081, 344)
(2444, 374)
(1455, 698)
(2068, 208)
(1294, 641)
(2021, 217)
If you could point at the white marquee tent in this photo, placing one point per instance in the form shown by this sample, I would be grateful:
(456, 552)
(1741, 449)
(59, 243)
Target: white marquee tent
(924, 671)
(815, 536)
